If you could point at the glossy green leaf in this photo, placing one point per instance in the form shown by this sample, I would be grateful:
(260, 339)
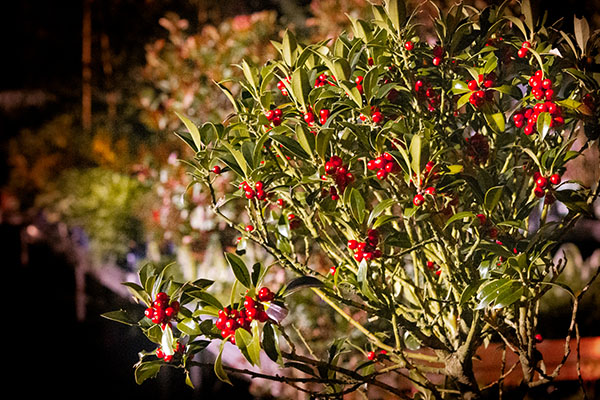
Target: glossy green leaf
(218, 366)
(240, 271)
(146, 370)
(492, 198)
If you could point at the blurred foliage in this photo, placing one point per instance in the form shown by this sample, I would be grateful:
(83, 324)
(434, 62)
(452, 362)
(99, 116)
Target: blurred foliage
(101, 202)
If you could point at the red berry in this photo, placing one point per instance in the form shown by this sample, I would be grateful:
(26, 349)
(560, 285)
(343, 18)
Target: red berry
(539, 192)
(371, 355)
(555, 179)
(251, 313)
(332, 270)
(430, 190)
(249, 228)
(265, 294)
(216, 169)
(324, 113)
(546, 83)
(377, 117)
(522, 53)
(409, 45)
(149, 312)
(309, 118)
(352, 244)
(382, 174)
(538, 338)
(526, 45)
(473, 85)
(418, 85)
(418, 200)
(541, 182)
(170, 312)
(482, 218)
(160, 353)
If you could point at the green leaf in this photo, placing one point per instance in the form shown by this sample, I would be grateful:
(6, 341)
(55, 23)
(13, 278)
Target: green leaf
(239, 269)
(460, 87)
(528, 13)
(205, 298)
(323, 138)
(582, 32)
(189, 326)
(300, 86)
(543, 123)
(193, 130)
(167, 340)
(379, 209)
(120, 316)
(306, 139)
(218, 367)
(291, 145)
(301, 283)
(496, 121)
(147, 370)
(250, 73)
(469, 292)
(491, 290)
(289, 46)
(459, 216)
(271, 343)
(493, 197)
(138, 292)
(415, 154)
(357, 205)
(396, 10)
(464, 99)
(239, 158)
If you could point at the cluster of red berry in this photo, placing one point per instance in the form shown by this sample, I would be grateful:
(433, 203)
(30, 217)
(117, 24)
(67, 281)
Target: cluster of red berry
(427, 93)
(479, 89)
(258, 191)
(366, 250)
(359, 81)
(438, 55)
(281, 85)
(229, 320)
(179, 350)
(322, 80)
(420, 199)
(309, 116)
(522, 53)
(542, 184)
(526, 118)
(371, 355)
(384, 165)
(274, 116)
(434, 268)
(162, 309)
(341, 175)
(541, 88)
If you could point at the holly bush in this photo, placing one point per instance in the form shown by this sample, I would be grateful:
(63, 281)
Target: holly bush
(408, 186)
